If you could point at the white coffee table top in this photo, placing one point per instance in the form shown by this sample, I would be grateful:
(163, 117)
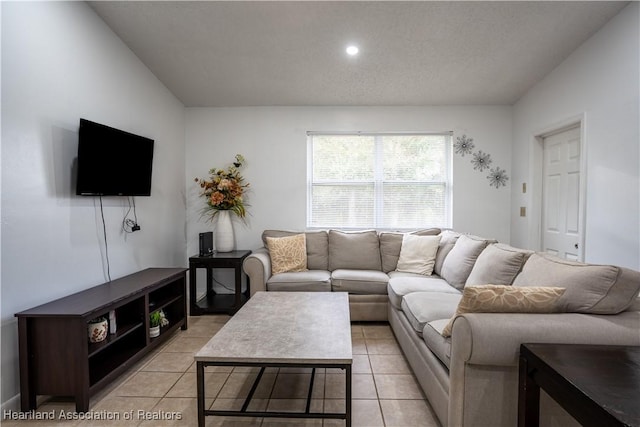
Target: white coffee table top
(285, 327)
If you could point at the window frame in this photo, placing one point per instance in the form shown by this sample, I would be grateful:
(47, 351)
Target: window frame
(378, 181)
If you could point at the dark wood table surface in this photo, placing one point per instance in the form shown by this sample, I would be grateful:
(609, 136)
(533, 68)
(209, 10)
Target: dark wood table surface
(599, 385)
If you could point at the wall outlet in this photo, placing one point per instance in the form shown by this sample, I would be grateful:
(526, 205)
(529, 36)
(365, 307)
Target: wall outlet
(523, 211)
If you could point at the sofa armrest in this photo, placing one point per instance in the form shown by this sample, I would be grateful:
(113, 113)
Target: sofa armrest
(258, 267)
(495, 338)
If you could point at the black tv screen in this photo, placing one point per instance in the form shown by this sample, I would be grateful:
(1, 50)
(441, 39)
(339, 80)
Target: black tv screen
(113, 162)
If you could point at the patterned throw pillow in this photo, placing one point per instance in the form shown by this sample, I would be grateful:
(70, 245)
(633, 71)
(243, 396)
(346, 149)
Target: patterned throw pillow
(288, 254)
(506, 299)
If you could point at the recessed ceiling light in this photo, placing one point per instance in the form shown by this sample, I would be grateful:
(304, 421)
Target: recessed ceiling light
(352, 50)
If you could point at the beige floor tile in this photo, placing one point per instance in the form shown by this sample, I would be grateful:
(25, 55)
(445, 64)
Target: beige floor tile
(407, 413)
(383, 346)
(389, 364)
(187, 385)
(171, 412)
(292, 405)
(377, 331)
(335, 387)
(359, 346)
(291, 386)
(364, 413)
(185, 344)
(397, 387)
(238, 386)
(356, 330)
(169, 362)
(50, 412)
(202, 329)
(363, 387)
(361, 364)
(148, 384)
(210, 318)
(125, 411)
(222, 404)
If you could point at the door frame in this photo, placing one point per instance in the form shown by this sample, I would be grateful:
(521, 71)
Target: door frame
(536, 166)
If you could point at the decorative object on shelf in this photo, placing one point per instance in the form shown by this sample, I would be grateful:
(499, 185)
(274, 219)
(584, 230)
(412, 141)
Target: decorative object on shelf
(481, 160)
(156, 320)
(464, 145)
(223, 192)
(97, 329)
(497, 177)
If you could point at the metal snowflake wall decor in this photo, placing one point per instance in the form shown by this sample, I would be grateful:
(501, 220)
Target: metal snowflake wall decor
(497, 177)
(481, 161)
(464, 145)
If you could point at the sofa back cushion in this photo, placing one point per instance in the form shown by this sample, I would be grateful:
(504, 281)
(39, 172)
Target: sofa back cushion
(596, 289)
(448, 239)
(391, 244)
(498, 264)
(317, 246)
(354, 250)
(460, 260)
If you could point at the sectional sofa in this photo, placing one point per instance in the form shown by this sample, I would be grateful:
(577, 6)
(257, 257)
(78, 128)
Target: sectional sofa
(464, 358)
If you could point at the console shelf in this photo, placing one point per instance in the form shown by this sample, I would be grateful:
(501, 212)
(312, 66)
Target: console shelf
(56, 357)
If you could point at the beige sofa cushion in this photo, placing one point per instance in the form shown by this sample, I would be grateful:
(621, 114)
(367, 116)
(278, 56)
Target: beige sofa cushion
(459, 262)
(288, 254)
(317, 246)
(423, 307)
(354, 251)
(498, 264)
(365, 282)
(303, 281)
(506, 299)
(448, 239)
(439, 345)
(391, 244)
(596, 289)
(401, 284)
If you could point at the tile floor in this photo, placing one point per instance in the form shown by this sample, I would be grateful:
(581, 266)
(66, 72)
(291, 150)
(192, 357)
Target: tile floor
(163, 384)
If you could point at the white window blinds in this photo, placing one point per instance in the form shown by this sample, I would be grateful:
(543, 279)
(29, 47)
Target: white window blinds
(384, 181)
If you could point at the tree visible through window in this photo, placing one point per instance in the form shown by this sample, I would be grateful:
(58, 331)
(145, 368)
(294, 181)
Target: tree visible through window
(384, 181)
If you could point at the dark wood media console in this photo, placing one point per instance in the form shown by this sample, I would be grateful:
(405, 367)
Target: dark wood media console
(56, 357)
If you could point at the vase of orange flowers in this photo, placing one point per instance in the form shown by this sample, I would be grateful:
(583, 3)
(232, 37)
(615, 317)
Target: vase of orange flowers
(223, 193)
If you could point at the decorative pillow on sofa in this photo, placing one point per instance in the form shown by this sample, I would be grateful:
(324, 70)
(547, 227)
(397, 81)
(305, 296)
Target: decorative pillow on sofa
(458, 264)
(448, 239)
(595, 289)
(391, 243)
(354, 251)
(498, 264)
(317, 246)
(418, 254)
(288, 254)
(506, 299)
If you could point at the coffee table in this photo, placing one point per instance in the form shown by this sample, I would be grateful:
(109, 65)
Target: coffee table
(282, 329)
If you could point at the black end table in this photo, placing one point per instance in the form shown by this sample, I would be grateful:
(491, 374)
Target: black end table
(597, 384)
(213, 302)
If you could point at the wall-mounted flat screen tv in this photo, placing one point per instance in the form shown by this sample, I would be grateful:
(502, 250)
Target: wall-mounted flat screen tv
(112, 162)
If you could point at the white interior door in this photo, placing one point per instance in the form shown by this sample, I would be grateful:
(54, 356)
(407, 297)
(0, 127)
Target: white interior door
(561, 212)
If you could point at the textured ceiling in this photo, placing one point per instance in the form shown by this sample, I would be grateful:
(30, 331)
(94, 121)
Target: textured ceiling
(411, 53)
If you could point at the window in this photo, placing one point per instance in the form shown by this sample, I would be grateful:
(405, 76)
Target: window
(383, 181)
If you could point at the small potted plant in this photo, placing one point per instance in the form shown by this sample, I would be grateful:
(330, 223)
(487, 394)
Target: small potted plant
(156, 320)
(97, 329)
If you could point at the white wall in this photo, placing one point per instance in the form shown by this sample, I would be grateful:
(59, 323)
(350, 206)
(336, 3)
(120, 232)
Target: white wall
(61, 62)
(600, 80)
(273, 141)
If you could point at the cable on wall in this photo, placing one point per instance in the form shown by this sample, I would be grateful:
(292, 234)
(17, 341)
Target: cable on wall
(130, 225)
(106, 245)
